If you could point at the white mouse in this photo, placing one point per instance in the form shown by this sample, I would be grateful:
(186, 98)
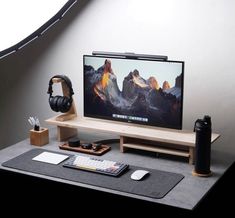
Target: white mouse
(139, 174)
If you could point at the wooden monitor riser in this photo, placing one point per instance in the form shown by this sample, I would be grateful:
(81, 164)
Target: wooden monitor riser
(159, 140)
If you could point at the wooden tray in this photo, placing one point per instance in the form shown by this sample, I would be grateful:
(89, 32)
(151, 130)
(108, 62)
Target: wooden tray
(102, 150)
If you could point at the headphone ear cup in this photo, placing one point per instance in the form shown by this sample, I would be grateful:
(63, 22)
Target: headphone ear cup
(52, 102)
(55, 103)
(59, 103)
(51, 98)
(66, 104)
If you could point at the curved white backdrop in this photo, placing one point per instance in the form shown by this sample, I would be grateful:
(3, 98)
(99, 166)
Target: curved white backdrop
(20, 18)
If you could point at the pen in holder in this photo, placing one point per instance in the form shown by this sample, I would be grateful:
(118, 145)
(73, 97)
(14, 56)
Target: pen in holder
(36, 128)
(39, 137)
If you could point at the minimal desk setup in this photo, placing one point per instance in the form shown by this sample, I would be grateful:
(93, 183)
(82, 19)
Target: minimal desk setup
(186, 194)
(170, 181)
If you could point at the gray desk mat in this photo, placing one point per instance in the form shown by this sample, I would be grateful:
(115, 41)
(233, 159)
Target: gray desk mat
(156, 185)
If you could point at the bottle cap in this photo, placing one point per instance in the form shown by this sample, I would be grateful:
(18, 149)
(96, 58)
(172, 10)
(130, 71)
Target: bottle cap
(207, 119)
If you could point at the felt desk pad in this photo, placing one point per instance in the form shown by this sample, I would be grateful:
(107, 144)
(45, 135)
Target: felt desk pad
(156, 185)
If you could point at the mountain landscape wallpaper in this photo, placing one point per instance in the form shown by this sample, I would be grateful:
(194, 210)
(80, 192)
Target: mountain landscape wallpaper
(131, 96)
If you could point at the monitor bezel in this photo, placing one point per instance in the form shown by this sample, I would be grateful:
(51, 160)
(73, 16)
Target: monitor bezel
(86, 115)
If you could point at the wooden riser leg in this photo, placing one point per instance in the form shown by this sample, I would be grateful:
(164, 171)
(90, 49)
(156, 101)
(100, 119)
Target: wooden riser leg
(191, 155)
(122, 141)
(64, 133)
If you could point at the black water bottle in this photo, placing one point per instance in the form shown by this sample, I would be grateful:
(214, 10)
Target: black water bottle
(203, 146)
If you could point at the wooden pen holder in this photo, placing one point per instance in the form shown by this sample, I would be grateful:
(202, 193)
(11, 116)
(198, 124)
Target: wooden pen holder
(40, 137)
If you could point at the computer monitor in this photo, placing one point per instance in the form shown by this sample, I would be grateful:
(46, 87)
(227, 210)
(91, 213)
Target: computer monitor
(140, 91)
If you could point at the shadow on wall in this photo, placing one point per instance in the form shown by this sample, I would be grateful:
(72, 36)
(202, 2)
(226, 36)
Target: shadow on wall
(22, 94)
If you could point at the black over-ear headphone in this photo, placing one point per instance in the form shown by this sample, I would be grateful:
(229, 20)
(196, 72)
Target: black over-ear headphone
(60, 103)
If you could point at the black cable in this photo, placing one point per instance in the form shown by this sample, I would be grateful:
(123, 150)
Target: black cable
(107, 141)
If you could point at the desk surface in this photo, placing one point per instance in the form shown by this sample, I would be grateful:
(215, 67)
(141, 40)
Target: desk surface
(187, 194)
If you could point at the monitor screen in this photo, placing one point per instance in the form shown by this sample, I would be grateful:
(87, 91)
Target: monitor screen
(147, 92)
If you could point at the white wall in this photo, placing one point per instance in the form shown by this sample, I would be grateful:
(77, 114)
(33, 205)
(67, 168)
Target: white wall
(201, 33)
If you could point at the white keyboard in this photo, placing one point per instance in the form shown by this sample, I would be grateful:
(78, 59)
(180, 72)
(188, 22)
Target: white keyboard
(108, 167)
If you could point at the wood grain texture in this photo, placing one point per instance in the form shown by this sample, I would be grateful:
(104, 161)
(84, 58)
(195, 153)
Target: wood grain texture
(178, 137)
(39, 138)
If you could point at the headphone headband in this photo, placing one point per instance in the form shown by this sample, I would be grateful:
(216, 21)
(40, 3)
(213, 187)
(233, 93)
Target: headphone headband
(65, 79)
